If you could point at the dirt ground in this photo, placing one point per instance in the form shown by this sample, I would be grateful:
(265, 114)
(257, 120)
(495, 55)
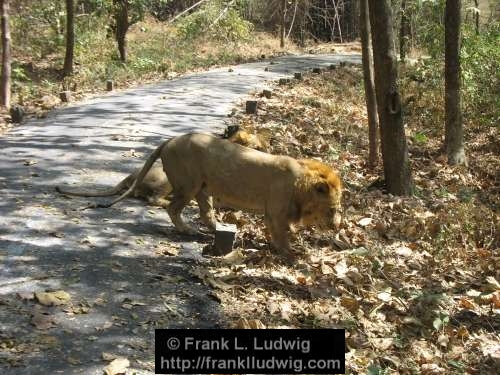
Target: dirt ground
(413, 280)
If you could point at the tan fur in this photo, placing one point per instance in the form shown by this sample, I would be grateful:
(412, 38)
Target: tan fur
(284, 189)
(255, 141)
(154, 189)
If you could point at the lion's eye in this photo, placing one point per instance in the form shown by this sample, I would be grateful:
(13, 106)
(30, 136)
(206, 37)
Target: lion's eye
(322, 188)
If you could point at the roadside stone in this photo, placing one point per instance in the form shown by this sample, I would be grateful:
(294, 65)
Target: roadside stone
(224, 238)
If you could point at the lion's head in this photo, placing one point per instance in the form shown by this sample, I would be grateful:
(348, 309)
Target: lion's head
(246, 139)
(318, 194)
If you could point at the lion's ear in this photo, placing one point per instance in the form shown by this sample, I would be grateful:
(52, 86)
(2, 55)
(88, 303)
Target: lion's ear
(322, 187)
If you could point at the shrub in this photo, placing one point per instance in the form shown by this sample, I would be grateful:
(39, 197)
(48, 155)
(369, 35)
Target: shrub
(215, 21)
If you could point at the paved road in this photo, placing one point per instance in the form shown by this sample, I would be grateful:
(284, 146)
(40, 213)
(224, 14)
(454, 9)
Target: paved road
(112, 262)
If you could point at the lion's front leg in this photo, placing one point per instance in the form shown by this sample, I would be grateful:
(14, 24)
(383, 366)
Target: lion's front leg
(278, 228)
(205, 203)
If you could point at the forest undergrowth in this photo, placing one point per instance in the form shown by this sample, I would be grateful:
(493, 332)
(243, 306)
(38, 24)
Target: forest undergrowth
(413, 280)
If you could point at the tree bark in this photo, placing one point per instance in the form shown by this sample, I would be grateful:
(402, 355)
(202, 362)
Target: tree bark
(370, 96)
(392, 134)
(282, 24)
(476, 15)
(404, 31)
(454, 128)
(122, 25)
(6, 56)
(70, 38)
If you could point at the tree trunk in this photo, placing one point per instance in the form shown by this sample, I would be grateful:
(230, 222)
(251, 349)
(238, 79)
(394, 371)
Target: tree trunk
(476, 13)
(353, 19)
(404, 31)
(282, 24)
(70, 38)
(392, 134)
(122, 25)
(453, 141)
(371, 100)
(6, 56)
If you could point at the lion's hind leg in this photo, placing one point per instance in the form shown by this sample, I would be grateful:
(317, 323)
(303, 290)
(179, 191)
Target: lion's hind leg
(158, 201)
(178, 202)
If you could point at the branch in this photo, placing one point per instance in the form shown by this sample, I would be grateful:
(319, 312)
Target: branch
(186, 10)
(293, 19)
(221, 14)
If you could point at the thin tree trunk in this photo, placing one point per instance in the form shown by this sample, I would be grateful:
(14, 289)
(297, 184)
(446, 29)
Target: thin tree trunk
(6, 55)
(454, 128)
(70, 38)
(122, 25)
(370, 96)
(404, 31)
(476, 12)
(282, 24)
(337, 16)
(392, 134)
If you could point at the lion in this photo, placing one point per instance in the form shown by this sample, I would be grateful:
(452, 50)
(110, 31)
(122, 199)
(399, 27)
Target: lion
(155, 188)
(285, 190)
(255, 141)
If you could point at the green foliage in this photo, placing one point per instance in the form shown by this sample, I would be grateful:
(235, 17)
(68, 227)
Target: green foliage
(480, 57)
(40, 29)
(441, 321)
(19, 74)
(218, 20)
(428, 23)
(420, 138)
(480, 69)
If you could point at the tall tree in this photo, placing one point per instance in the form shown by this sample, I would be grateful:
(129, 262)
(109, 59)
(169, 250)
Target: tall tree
(70, 38)
(6, 55)
(454, 133)
(283, 24)
(121, 27)
(476, 15)
(392, 134)
(370, 96)
(404, 31)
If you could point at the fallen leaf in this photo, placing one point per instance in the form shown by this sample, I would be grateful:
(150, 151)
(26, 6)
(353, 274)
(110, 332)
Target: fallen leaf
(350, 303)
(42, 321)
(28, 296)
(382, 343)
(384, 296)
(443, 340)
(365, 221)
(108, 356)
(466, 303)
(117, 366)
(341, 269)
(492, 284)
(404, 251)
(56, 298)
(74, 361)
(272, 307)
(301, 280)
(326, 269)
(285, 309)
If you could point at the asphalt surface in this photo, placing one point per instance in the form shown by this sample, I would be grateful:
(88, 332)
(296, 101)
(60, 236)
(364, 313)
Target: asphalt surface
(115, 262)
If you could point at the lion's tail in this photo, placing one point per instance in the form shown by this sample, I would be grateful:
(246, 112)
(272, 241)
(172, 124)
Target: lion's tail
(140, 176)
(93, 193)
